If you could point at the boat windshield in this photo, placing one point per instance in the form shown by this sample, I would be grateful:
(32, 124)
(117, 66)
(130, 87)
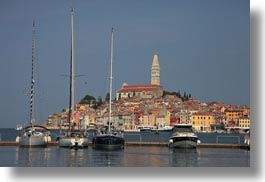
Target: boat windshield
(184, 129)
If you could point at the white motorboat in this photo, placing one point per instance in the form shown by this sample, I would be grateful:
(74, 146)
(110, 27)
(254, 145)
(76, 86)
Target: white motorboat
(183, 137)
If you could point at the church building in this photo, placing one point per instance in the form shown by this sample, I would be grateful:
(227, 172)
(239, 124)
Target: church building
(153, 90)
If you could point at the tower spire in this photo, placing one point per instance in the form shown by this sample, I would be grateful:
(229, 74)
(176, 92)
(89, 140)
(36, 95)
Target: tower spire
(155, 70)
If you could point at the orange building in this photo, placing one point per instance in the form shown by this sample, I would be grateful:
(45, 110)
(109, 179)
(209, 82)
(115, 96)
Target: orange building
(233, 115)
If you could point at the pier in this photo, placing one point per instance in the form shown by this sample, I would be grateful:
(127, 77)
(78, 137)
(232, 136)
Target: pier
(162, 144)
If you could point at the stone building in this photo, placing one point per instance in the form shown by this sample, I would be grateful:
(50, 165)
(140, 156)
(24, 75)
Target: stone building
(145, 91)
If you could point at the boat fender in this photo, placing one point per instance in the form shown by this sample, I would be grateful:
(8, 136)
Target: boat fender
(170, 141)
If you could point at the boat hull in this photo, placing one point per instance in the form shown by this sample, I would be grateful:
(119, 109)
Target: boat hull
(183, 142)
(73, 142)
(33, 141)
(108, 142)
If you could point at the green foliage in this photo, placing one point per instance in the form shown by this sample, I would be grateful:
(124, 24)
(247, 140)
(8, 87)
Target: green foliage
(178, 94)
(91, 101)
(107, 97)
(88, 100)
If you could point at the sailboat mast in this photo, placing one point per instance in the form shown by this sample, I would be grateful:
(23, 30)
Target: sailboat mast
(32, 93)
(110, 89)
(72, 77)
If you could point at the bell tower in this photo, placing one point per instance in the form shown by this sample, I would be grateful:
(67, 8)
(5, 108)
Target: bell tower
(155, 71)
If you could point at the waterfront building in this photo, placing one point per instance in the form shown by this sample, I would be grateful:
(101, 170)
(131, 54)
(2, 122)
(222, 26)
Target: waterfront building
(147, 119)
(244, 122)
(233, 115)
(202, 121)
(185, 116)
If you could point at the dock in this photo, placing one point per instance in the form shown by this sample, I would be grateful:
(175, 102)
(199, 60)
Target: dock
(162, 144)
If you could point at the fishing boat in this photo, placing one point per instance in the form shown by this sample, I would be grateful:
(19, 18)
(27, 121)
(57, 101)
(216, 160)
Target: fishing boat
(75, 136)
(107, 137)
(183, 137)
(33, 135)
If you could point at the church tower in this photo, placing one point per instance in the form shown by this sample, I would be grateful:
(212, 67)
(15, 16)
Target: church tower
(155, 71)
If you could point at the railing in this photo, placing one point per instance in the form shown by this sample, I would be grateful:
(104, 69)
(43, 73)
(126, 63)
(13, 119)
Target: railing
(140, 136)
(217, 138)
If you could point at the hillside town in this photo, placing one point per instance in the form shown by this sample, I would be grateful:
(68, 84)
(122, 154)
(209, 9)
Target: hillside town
(148, 105)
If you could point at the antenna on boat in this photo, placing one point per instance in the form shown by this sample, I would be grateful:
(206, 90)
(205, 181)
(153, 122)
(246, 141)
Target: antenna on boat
(32, 77)
(110, 89)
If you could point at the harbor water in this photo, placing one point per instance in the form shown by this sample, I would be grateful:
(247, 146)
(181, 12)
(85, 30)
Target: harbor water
(130, 156)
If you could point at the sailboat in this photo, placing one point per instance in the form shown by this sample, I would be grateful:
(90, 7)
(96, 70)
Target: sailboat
(72, 138)
(33, 135)
(108, 138)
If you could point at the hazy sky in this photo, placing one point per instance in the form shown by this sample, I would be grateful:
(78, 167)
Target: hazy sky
(203, 48)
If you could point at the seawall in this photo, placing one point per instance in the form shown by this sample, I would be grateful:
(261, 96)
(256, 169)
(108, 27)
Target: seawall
(164, 144)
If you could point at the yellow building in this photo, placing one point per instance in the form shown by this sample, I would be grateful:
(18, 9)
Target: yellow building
(168, 116)
(244, 122)
(202, 121)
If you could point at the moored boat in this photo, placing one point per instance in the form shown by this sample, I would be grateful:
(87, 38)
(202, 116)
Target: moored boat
(36, 136)
(145, 128)
(183, 137)
(107, 137)
(73, 137)
(163, 129)
(32, 135)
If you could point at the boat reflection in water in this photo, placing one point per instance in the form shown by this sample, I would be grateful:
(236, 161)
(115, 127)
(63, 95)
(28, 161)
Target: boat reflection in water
(32, 156)
(184, 157)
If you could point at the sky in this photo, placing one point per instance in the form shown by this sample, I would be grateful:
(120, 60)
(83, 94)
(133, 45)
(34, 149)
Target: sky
(203, 48)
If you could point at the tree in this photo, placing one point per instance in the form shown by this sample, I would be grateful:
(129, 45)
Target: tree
(107, 97)
(88, 99)
(99, 100)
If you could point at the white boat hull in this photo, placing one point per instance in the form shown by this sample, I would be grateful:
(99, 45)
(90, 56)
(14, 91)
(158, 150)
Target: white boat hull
(183, 144)
(71, 142)
(32, 141)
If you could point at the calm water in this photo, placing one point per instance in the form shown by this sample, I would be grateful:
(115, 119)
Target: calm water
(131, 156)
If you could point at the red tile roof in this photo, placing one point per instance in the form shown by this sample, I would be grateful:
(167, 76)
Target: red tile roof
(139, 88)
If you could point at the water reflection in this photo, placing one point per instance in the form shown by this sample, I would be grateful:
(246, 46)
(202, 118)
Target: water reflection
(107, 158)
(72, 158)
(131, 156)
(184, 157)
(28, 156)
